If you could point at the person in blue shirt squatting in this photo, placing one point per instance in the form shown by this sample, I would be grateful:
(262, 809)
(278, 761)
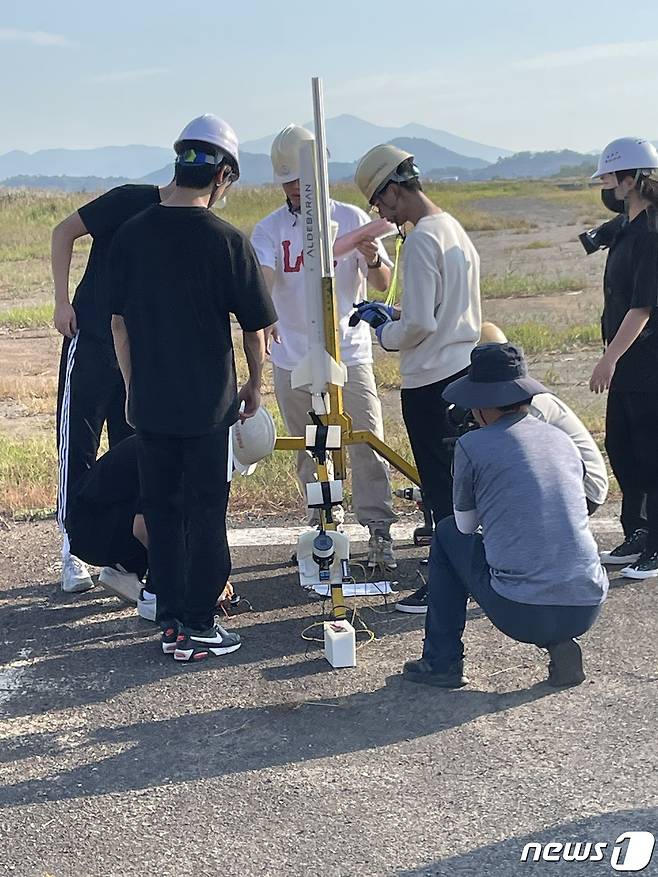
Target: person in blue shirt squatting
(542, 584)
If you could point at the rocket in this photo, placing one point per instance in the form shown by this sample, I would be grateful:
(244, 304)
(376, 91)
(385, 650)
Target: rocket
(319, 368)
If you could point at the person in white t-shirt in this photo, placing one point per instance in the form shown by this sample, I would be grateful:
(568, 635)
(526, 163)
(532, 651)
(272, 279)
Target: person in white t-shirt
(278, 243)
(438, 324)
(551, 409)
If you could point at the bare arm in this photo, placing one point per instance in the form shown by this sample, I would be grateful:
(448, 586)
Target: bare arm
(254, 349)
(63, 237)
(631, 326)
(122, 348)
(272, 332)
(379, 277)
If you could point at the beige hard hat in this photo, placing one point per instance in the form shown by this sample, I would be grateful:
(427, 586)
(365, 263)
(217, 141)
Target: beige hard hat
(379, 166)
(285, 152)
(491, 334)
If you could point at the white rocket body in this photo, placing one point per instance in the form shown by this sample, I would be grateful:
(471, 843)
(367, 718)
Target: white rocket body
(318, 368)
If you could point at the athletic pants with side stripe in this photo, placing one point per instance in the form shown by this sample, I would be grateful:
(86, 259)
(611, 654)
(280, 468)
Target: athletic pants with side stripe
(185, 485)
(90, 392)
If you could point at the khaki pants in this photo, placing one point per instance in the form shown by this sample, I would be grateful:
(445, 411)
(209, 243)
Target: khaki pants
(371, 486)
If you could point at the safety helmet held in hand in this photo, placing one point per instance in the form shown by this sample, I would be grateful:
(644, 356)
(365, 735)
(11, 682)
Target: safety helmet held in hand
(627, 153)
(379, 166)
(285, 152)
(211, 129)
(253, 440)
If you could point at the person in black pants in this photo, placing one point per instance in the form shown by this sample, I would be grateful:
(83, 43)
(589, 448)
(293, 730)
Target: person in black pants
(629, 367)
(178, 273)
(106, 528)
(90, 388)
(104, 521)
(438, 323)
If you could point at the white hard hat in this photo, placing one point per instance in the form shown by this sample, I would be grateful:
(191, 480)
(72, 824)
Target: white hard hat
(285, 152)
(378, 166)
(627, 153)
(253, 440)
(211, 129)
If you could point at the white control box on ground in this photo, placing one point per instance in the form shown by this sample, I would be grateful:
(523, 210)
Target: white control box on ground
(340, 643)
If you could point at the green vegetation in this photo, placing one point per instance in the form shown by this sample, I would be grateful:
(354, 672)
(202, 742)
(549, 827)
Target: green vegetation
(536, 245)
(524, 285)
(36, 317)
(28, 465)
(538, 338)
(28, 475)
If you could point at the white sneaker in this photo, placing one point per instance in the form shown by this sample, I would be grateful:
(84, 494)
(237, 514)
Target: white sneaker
(124, 585)
(75, 575)
(380, 551)
(146, 608)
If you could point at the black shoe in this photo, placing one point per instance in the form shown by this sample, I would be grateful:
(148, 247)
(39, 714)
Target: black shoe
(197, 645)
(416, 602)
(170, 633)
(645, 567)
(566, 664)
(629, 551)
(422, 671)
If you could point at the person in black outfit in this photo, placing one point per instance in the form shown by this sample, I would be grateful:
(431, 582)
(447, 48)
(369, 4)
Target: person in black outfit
(106, 528)
(178, 272)
(629, 367)
(104, 521)
(90, 389)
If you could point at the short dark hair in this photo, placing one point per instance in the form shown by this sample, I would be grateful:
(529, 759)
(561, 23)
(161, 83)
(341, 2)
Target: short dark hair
(515, 406)
(195, 176)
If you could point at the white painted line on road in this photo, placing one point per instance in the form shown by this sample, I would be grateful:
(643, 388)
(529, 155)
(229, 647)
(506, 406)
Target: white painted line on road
(401, 532)
(11, 675)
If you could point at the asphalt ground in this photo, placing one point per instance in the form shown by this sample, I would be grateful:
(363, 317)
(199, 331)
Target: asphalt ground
(116, 761)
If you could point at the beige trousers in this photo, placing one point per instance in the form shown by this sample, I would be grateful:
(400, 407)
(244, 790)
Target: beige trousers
(371, 486)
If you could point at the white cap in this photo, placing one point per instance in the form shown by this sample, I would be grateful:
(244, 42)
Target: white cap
(625, 154)
(285, 152)
(211, 129)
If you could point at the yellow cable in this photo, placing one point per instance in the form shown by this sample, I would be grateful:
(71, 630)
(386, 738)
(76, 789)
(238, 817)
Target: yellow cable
(392, 296)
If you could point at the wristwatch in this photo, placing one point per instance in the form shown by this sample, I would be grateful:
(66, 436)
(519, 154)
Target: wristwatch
(377, 264)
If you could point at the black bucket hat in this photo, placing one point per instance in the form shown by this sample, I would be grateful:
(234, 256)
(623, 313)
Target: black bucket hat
(498, 376)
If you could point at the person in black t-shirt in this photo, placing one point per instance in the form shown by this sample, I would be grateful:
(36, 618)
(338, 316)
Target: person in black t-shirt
(90, 391)
(178, 272)
(629, 367)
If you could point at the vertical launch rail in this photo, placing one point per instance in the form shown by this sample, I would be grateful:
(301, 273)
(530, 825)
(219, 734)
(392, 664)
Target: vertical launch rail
(322, 369)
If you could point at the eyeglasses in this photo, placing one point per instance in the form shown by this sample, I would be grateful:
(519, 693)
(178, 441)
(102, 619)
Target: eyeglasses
(378, 194)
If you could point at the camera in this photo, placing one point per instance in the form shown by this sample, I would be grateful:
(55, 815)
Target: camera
(461, 420)
(602, 236)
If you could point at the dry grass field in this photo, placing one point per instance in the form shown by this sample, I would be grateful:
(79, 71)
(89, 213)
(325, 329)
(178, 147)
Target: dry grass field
(536, 282)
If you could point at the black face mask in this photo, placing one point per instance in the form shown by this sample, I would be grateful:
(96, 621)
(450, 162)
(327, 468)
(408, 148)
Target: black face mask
(612, 203)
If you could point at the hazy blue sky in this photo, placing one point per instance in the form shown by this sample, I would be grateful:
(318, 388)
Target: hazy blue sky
(514, 74)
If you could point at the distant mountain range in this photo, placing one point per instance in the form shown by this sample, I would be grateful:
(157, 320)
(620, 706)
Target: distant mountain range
(131, 162)
(439, 155)
(348, 137)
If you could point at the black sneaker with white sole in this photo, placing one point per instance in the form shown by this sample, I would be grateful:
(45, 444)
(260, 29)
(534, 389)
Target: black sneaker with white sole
(415, 603)
(629, 551)
(170, 633)
(197, 645)
(645, 567)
